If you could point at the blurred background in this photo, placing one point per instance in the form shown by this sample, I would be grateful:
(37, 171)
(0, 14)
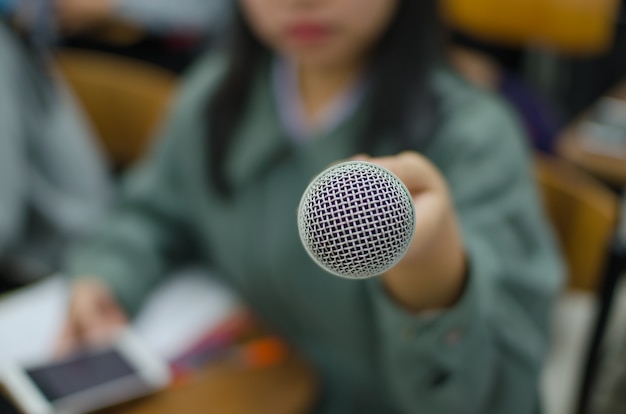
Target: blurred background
(560, 64)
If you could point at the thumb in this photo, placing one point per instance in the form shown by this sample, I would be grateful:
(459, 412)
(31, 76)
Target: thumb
(415, 171)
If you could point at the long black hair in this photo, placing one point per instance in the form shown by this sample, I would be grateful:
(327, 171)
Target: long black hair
(399, 68)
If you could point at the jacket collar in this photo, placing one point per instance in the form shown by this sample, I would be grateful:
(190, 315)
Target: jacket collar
(259, 142)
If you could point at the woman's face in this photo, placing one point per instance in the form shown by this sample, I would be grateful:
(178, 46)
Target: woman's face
(321, 33)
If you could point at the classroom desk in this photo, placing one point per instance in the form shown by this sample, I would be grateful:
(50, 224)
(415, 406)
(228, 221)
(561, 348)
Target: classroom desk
(611, 170)
(226, 388)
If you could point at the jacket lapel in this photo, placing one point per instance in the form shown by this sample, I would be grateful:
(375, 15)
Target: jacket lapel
(260, 141)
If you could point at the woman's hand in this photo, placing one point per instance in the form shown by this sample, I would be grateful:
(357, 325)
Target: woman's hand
(75, 16)
(432, 273)
(94, 317)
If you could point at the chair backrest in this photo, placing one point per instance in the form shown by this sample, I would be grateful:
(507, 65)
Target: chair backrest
(584, 215)
(579, 27)
(125, 100)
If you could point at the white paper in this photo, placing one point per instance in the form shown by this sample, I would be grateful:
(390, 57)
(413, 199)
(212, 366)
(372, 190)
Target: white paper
(179, 313)
(31, 320)
(183, 311)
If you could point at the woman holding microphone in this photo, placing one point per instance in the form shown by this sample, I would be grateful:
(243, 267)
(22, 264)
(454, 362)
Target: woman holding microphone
(459, 325)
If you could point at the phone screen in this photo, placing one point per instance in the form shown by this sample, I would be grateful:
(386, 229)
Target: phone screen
(81, 373)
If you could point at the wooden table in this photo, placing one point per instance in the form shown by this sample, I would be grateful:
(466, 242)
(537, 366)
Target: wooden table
(609, 169)
(229, 388)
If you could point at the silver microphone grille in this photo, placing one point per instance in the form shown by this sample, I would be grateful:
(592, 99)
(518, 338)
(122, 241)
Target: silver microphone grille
(356, 220)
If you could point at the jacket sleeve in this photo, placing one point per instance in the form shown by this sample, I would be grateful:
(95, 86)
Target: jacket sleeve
(487, 351)
(149, 233)
(13, 171)
(145, 233)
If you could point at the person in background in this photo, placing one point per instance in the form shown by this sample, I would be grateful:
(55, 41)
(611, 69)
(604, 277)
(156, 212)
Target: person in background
(54, 183)
(156, 15)
(498, 70)
(459, 326)
(608, 395)
(167, 33)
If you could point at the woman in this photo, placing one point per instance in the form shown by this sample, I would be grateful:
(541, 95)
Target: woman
(460, 325)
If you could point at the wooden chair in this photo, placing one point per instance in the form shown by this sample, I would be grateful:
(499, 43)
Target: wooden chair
(577, 27)
(584, 214)
(125, 100)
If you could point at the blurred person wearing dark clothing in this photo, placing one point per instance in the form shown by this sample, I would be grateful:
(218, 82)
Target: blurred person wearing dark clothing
(497, 69)
(53, 180)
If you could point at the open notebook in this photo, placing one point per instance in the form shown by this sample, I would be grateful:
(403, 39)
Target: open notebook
(175, 317)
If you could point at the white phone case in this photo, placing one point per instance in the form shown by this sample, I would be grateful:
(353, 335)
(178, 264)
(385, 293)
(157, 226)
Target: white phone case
(150, 374)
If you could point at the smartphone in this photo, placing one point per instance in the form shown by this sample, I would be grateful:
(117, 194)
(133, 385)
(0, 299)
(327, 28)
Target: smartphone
(88, 381)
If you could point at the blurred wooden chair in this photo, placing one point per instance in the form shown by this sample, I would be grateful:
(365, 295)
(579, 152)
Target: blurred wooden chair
(584, 213)
(579, 27)
(125, 100)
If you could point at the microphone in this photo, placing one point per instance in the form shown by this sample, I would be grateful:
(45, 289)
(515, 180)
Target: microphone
(356, 220)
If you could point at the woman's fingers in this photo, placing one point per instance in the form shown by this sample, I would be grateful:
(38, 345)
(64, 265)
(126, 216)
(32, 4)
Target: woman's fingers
(101, 320)
(428, 189)
(94, 317)
(361, 157)
(67, 342)
(415, 171)
(78, 15)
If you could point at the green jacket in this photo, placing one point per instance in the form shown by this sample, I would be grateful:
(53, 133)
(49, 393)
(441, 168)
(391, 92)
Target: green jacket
(484, 356)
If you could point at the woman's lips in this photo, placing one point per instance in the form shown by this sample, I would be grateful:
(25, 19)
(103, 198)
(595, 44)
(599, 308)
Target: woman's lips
(308, 33)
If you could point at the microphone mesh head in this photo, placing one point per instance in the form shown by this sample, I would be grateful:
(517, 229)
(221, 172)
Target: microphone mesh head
(356, 220)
